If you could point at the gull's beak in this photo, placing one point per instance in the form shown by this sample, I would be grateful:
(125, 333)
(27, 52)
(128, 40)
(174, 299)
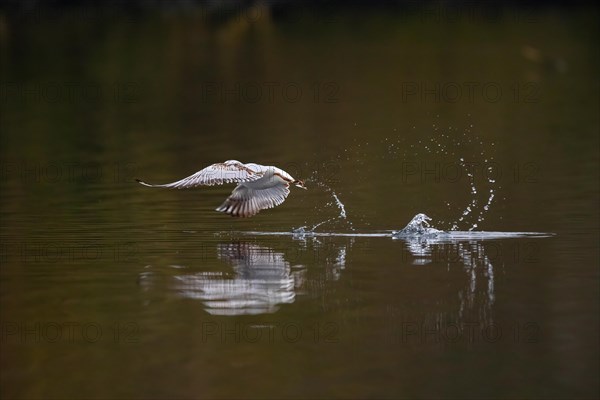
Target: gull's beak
(300, 184)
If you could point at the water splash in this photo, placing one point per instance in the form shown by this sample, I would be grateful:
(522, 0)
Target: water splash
(473, 204)
(340, 206)
(417, 226)
(472, 156)
(342, 215)
(321, 223)
(337, 202)
(449, 142)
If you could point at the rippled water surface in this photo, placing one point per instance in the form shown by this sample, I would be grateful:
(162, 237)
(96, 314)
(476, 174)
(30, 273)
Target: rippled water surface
(114, 290)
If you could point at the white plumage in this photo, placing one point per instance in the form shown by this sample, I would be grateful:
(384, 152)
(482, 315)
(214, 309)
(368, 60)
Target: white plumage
(259, 186)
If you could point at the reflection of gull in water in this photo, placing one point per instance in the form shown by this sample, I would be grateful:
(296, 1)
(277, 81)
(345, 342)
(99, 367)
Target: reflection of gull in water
(263, 280)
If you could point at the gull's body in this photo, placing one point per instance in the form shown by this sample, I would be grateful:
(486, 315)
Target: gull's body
(259, 186)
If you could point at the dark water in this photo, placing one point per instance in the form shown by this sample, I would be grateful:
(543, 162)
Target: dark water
(113, 290)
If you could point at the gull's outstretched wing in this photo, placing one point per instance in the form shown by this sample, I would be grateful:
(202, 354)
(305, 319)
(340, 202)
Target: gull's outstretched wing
(217, 174)
(246, 202)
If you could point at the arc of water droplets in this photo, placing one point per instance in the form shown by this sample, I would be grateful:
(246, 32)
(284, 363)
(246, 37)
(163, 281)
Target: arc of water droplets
(338, 203)
(393, 148)
(340, 206)
(473, 202)
(471, 206)
(440, 148)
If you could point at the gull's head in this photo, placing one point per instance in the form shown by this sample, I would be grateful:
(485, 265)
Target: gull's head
(300, 184)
